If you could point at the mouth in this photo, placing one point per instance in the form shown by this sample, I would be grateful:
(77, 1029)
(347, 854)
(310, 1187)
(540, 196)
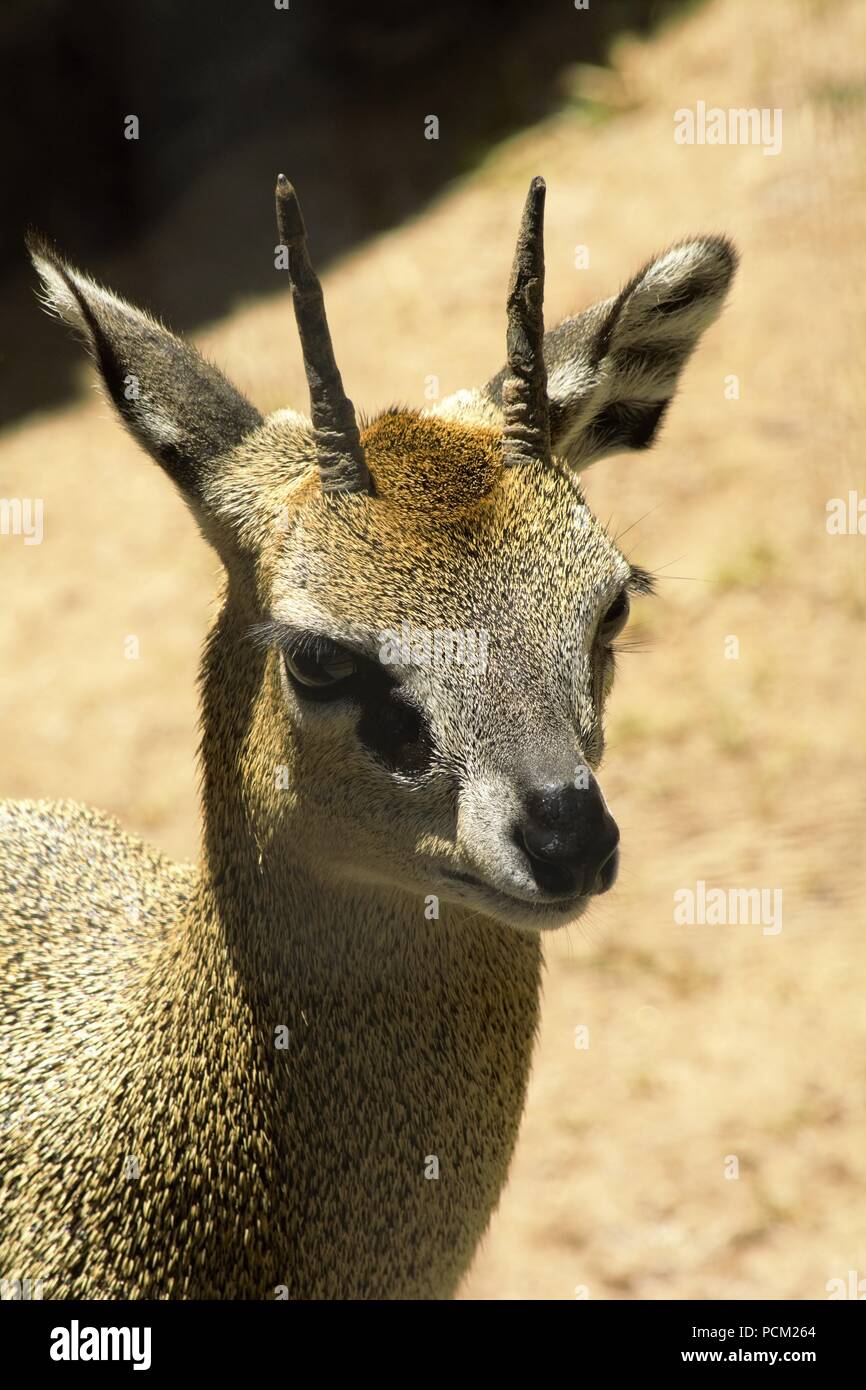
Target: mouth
(530, 912)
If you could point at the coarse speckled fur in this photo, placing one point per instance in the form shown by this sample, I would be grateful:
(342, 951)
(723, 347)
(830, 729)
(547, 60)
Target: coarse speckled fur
(161, 1137)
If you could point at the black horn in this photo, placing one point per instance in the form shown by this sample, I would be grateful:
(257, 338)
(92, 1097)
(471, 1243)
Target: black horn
(524, 394)
(340, 454)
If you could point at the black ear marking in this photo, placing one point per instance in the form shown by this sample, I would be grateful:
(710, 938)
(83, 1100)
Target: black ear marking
(625, 425)
(613, 370)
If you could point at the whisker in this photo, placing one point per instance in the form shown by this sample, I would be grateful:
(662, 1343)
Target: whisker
(620, 534)
(693, 577)
(636, 645)
(667, 562)
(676, 561)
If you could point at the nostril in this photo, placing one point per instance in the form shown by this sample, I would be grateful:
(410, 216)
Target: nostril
(544, 842)
(551, 873)
(570, 839)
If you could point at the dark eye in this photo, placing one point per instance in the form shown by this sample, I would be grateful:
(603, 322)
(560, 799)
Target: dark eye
(320, 664)
(615, 618)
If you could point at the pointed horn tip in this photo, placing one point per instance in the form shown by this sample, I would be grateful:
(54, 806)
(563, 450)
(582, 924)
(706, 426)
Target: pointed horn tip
(289, 215)
(536, 195)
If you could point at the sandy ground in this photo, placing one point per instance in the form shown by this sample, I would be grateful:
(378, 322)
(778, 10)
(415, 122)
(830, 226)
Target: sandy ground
(713, 1050)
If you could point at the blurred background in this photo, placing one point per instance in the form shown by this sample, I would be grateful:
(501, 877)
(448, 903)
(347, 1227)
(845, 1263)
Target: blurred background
(706, 1044)
(226, 94)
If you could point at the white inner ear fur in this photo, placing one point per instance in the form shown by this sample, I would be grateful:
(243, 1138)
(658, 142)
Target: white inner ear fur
(59, 299)
(569, 379)
(468, 408)
(661, 279)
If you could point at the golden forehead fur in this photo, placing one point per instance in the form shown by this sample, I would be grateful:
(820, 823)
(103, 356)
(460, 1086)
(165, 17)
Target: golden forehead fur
(428, 464)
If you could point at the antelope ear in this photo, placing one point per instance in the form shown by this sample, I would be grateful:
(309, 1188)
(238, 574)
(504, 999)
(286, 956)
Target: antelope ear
(180, 407)
(612, 370)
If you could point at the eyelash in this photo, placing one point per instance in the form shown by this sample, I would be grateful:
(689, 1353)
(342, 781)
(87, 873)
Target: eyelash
(310, 644)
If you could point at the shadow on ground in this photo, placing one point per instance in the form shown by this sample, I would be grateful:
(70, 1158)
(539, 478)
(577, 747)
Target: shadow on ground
(226, 96)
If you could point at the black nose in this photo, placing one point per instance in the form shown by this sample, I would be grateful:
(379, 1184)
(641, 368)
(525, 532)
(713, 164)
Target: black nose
(570, 838)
